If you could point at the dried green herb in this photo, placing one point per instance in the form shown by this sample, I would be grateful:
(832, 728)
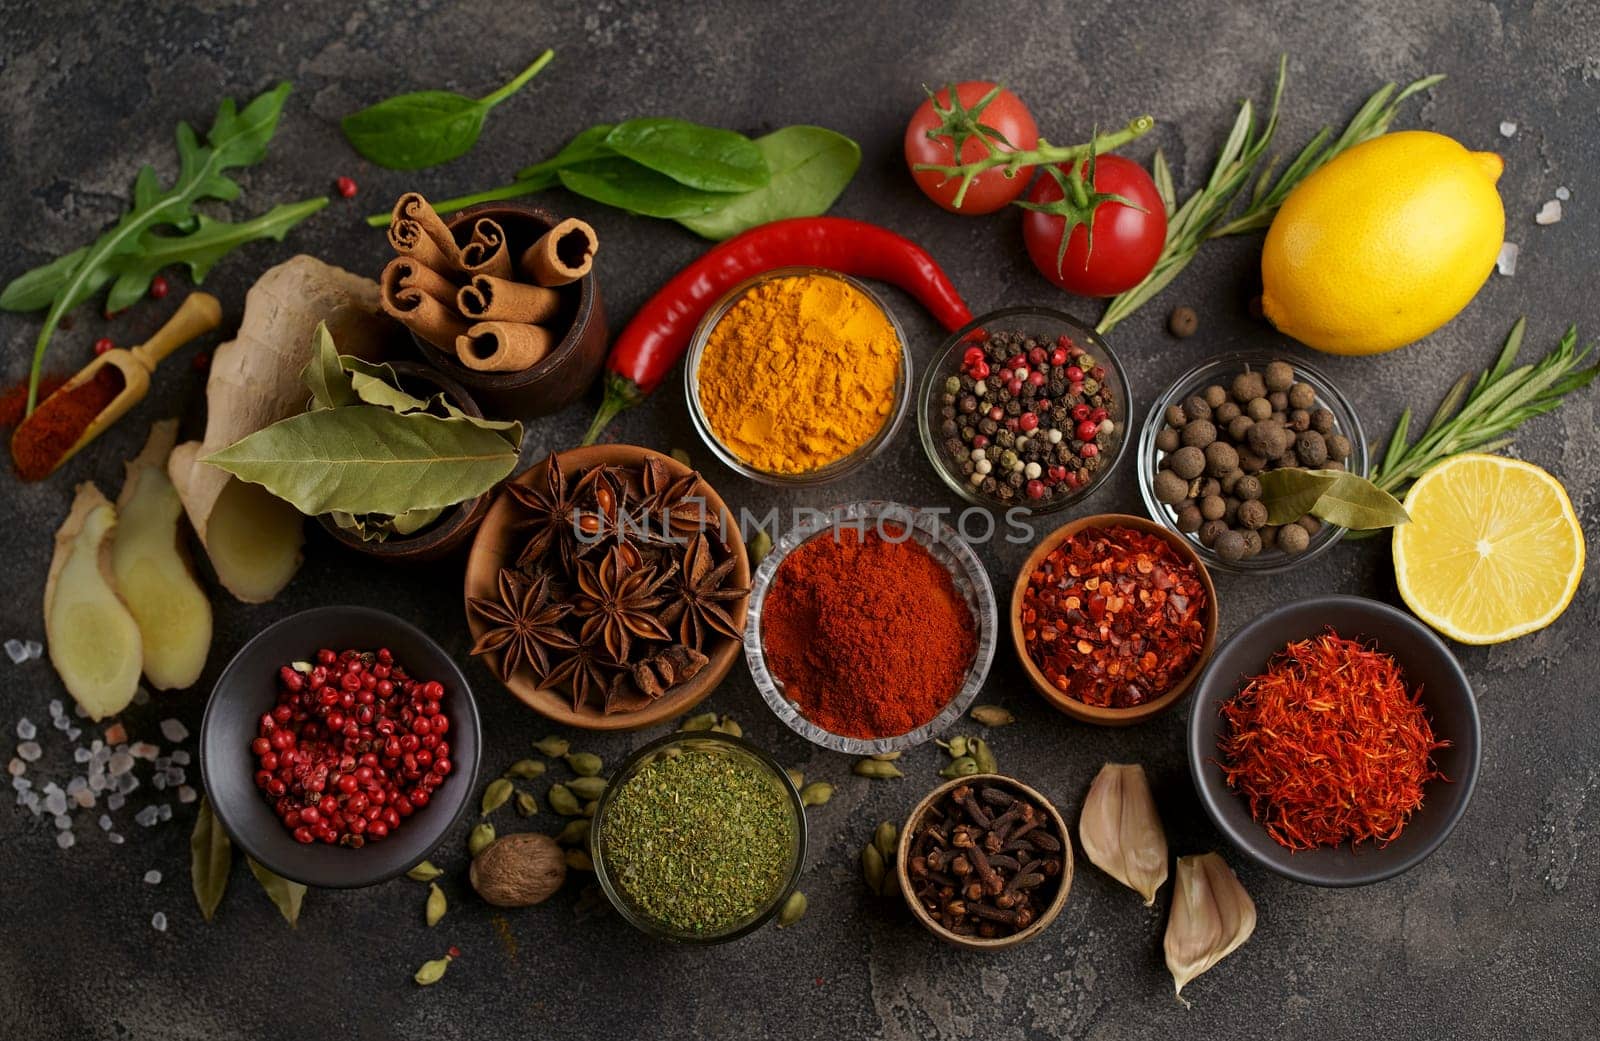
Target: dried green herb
(287, 896)
(210, 860)
(584, 764)
(495, 795)
(424, 872)
(436, 905)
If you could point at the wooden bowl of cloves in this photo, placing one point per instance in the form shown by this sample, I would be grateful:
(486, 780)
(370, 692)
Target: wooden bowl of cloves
(985, 862)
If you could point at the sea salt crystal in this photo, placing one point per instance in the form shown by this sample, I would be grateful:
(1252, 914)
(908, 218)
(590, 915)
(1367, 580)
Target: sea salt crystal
(176, 775)
(21, 784)
(1506, 262)
(30, 800)
(97, 782)
(144, 750)
(64, 839)
(180, 758)
(159, 782)
(55, 802)
(56, 708)
(174, 730)
(26, 731)
(35, 648)
(162, 762)
(186, 794)
(80, 754)
(152, 877)
(119, 764)
(76, 785)
(30, 751)
(158, 922)
(1508, 129)
(16, 768)
(127, 784)
(164, 812)
(85, 799)
(1549, 213)
(73, 733)
(60, 722)
(17, 651)
(115, 801)
(146, 817)
(115, 839)
(50, 788)
(116, 734)
(1563, 193)
(105, 822)
(63, 822)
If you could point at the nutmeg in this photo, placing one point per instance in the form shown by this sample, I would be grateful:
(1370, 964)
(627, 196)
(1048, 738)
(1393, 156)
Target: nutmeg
(519, 870)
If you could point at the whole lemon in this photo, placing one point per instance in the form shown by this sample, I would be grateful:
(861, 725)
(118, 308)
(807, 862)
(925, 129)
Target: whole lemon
(1384, 244)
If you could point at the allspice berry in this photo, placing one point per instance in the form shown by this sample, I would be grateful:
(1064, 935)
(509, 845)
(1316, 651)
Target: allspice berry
(1221, 457)
(1292, 538)
(1302, 396)
(1212, 507)
(1188, 462)
(1311, 450)
(1252, 543)
(1215, 396)
(1238, 428)
(1322, 421)
(519, 870)
(1167, 440)
(1310, 523)
(1175, 417)
(1183, 322)
(1338, 446)
(1248, 487)
(1170, 488)
(1199, 432)
(1258, 409)
(1226, 412)
(1210, 531)
(1247, 386)
(1196, 407)
(1230, 546)
(1279, 375)
(1189, 519)
(1253, 513)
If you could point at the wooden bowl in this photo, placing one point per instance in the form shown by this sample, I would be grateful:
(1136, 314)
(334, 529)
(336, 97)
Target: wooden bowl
(978, 943)
(493, 547)
(567, 371)
(451, 531)
(1113, 717)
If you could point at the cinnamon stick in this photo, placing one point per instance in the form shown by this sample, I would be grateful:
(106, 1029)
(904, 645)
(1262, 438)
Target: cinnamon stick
(563, 254)
(486, 253)
(503, 346)
(490, 299)
(416, 231)
(411, 273)
(424, 314)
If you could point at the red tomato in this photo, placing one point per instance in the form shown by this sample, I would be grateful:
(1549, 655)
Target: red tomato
(1127, 241)
(1003, 113)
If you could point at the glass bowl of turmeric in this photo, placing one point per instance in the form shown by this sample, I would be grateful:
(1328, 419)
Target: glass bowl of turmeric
(798, 376)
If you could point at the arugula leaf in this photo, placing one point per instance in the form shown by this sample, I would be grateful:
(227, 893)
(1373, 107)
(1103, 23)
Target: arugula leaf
(428, 127)
(629, 186)
(810, 167)
(707, 158)
(36, 288)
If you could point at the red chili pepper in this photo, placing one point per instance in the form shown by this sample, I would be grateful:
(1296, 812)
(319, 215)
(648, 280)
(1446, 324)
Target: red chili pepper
(659, 335)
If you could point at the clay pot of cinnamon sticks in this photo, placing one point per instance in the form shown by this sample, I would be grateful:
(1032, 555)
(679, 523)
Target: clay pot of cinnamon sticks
(502, 298)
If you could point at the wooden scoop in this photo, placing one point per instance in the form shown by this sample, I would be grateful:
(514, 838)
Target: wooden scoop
(199, 314)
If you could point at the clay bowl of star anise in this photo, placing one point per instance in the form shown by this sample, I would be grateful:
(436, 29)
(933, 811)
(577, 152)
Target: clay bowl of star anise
(607, 588)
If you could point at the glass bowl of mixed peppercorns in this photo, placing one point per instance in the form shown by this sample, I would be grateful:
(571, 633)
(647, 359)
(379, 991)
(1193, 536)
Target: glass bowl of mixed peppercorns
(1025, 407)
(1211, 436)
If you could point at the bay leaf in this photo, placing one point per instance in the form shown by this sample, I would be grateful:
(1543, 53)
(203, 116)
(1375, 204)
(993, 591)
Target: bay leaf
(1290, 494)
(210, 860)
(323, 375)
(376, 383)
(1358, 504)
(286, 895)
(364, 459)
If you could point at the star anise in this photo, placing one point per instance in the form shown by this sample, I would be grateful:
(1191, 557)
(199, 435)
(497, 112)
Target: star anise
(618, 603)
(600, 518)
(587, 671)
(549, 512)
(525, 624)
(671, 506)
(703, 600)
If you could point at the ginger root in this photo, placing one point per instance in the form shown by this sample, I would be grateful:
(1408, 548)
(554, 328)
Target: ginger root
(253, 538)
(152, 568)
(94, 641)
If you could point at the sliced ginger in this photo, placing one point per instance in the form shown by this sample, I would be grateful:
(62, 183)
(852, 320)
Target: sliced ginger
(152, 570)
(254, 539)
(94, 641)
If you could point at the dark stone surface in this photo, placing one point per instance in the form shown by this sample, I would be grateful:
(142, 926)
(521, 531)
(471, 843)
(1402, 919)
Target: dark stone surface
(1490, 938)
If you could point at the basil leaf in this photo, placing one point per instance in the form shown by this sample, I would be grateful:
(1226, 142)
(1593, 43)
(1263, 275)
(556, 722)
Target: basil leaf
(427, 127)
(707, 158)
(1290, 493)
(367, 459)
(587, 145)
(629, 186)
(810, 167)
(210, 860)
(285, 894)
(1358, 504)
(323, 376)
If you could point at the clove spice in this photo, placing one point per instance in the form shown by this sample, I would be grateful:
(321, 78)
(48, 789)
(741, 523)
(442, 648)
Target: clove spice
(1121, 830)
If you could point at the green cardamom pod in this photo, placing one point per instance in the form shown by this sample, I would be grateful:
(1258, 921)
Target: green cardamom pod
(992, 716)
(797, 777)
(794, 909)
(591, 807)
(585, 764)
(424, 872)
(526, 769)
(578, 860)
(554, 747)
(496, 794)
(432, 971)
(965, 766)
(587, 787)
(704, 721)
(728, 725)
(873, 868)
(575, 833)
(817, 793)
(956, 746)
(436, 904)
(479, 838)
(876, 770)
(526, 804)
(887, 840)
(886, 757)
(982, 755)
(563, 801)
(758, 546)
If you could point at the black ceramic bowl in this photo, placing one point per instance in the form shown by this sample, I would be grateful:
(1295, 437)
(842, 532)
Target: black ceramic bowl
(248, 687)
(1446, 694)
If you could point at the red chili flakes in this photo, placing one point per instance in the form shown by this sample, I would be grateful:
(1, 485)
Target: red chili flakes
(1114, 617)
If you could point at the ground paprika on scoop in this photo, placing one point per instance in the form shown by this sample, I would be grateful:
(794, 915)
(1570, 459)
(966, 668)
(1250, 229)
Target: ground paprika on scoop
(868, 635)
(55, 426)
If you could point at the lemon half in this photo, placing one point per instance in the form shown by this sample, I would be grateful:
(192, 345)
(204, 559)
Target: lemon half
(1493, 551)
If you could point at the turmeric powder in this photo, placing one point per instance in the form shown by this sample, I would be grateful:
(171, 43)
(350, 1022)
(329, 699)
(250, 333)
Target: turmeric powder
(799, 373)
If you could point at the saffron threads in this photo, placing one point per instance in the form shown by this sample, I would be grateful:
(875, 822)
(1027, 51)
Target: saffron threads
(1329, 746)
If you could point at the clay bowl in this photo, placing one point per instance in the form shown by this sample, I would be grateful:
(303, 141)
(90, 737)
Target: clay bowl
(451, 531)
(496, 546)
(566, 372)
(1112, 717)
(978, 943)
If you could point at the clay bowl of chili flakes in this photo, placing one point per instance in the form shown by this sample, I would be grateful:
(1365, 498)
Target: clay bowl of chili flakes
(502, 538)
(1191, 572)
(1429, 672)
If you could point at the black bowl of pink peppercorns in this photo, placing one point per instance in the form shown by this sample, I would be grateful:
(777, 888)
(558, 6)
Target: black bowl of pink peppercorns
(1024, 408)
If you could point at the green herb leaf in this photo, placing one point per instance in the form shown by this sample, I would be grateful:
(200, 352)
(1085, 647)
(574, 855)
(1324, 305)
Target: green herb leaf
(708, 158)
(810, 167)
(586, 145)
(428, 127)
(210, 860)
(36, 288)
(323, 376)
(365, 459)
(286, 895)
(1340, 498)
(638, 190)
(1290, 493)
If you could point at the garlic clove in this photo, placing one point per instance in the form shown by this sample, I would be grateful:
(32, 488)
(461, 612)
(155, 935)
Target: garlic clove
(1120, 829)
(1211, 916)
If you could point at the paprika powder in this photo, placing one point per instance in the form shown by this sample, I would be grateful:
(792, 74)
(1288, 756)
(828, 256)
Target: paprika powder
(60, 420)
(868, 634)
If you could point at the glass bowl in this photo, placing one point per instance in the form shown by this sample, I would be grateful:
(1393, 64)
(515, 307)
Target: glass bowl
(1222, 369)
(839, 467)
(715, 744)
(1044, 324)
(966, 572)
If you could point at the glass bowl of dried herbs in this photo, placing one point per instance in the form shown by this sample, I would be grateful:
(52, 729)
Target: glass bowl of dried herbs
(699, 838)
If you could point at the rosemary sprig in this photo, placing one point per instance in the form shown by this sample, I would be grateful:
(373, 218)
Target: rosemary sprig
(1204, 215)
(1479, 415)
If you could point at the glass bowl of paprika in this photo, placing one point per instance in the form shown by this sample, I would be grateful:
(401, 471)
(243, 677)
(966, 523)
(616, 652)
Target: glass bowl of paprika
(870, 628)
(798, 376)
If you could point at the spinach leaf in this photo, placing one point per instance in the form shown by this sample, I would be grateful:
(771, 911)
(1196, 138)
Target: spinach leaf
(810, 167)
(586, 145)
(428, 127)
(629, 186)
(707, 158)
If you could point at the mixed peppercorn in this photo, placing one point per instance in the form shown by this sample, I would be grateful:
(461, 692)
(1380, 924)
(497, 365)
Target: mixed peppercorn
(1026, 421)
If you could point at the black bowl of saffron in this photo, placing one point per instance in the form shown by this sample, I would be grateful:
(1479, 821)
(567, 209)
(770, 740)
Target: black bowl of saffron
(1335, 741)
